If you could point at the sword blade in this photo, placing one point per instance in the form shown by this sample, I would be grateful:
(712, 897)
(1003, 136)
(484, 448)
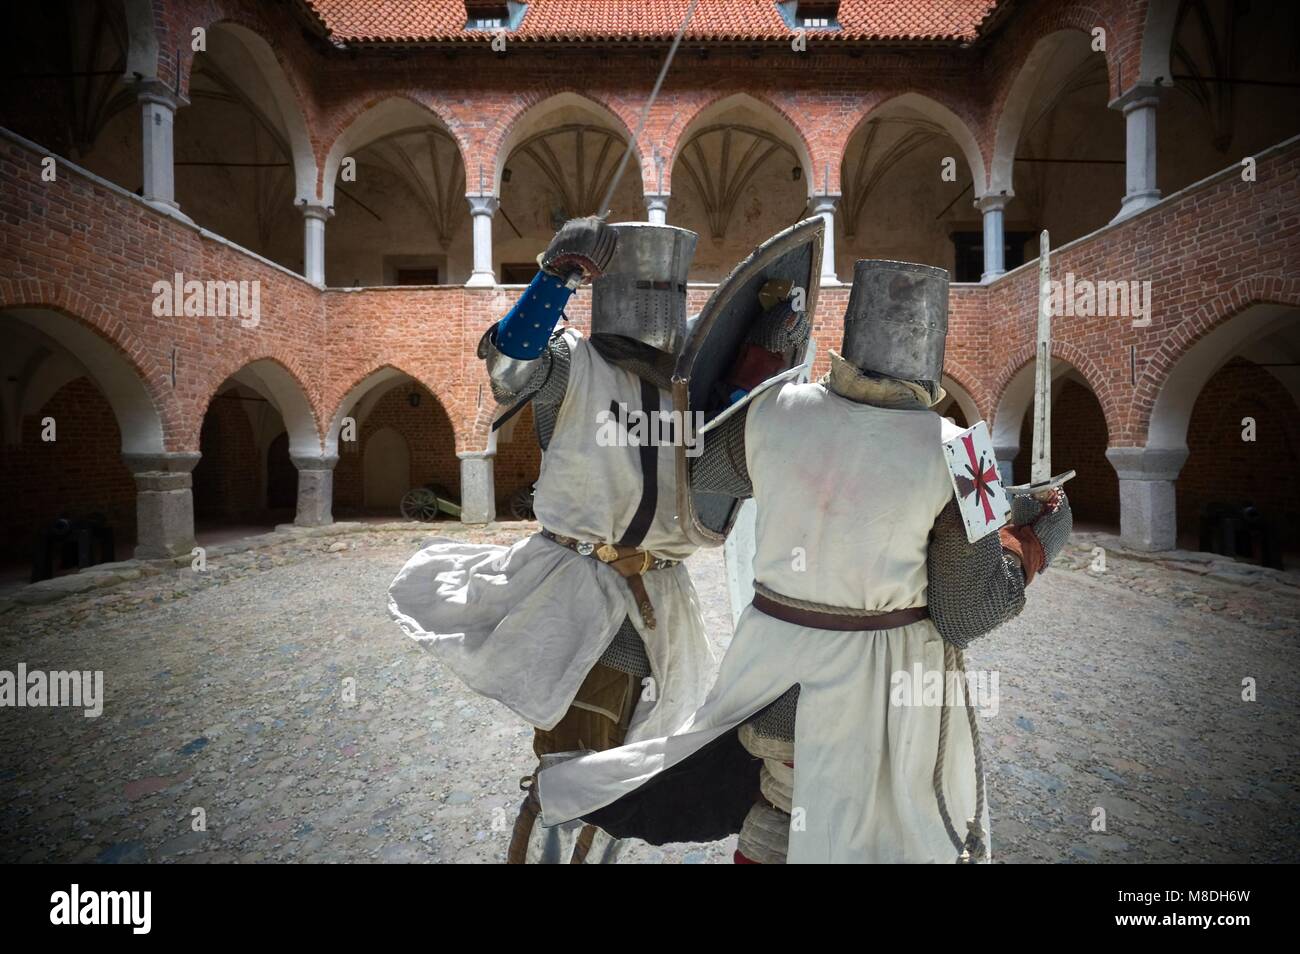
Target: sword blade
(1040, 468)
(645, 111)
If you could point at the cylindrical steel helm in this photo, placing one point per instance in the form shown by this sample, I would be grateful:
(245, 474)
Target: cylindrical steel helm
(897, 319)
(642, 293)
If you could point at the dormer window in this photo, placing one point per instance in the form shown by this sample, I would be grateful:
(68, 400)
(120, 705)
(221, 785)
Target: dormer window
(811, 14)
(493, 14)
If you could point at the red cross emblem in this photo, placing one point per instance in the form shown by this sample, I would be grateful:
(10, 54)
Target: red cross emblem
(980, 478)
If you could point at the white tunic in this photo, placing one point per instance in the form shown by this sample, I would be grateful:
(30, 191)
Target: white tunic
(525, 624)
(847, 494)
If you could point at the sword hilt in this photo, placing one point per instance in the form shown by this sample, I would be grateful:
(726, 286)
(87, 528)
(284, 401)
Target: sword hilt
(1040, 490)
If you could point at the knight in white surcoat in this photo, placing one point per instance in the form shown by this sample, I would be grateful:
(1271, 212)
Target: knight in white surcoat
(864, 576)
(590, 630)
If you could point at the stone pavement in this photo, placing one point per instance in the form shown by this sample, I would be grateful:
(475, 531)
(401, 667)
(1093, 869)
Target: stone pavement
(227, 691)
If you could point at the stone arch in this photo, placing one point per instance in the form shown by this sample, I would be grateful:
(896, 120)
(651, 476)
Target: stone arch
(1015, 390)
(389, 397)
(530, 118)
(283, 388)
(378, 119)
(108, 364)
(971, 384)
(936, 112)
(1082, 434)
(1186, 369)
(142, 49)
(362, 395)
(273, 84)
(1041, 64)
(959, 396)
(680, 134)
(1157, 41)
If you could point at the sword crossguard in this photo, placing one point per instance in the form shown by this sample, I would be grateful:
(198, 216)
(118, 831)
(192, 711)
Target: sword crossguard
(1043, 490)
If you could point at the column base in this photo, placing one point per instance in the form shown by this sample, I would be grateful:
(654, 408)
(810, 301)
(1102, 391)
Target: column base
(169, 208)
(481, 280)
(164, 503)
(1135, 203)
(1147, 515)
(315, 491)
(477, 488)
(1006, 458)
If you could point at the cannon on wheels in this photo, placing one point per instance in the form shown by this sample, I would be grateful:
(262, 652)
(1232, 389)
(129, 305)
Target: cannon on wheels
(77, 542)
(425, 503)
(1233, 529)
(521, 504)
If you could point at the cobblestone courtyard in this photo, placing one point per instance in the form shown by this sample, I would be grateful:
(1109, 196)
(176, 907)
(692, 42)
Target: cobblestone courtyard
(224, 691)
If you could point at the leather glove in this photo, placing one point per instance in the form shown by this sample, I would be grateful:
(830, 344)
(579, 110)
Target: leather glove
(1038, 530)
(584, 245)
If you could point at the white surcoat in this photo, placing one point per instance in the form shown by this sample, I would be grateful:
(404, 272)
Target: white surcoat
(525, 624)
(846, 495)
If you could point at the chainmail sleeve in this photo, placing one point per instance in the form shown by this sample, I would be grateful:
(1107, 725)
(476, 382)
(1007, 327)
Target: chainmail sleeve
(973, 587)
(721, 466)
(546, 386)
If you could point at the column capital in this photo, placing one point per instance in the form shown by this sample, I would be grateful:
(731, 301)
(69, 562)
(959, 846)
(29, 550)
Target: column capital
(825, 202)
(317, 210)
(314, 461)
(476, 455)
(1147, 463)
(163, 462)
(993, 203)
(656, 206)
(1143, 95)
(156, 91)
(483, 204)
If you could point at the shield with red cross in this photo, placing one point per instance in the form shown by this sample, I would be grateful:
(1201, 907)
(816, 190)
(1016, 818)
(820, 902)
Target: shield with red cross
(975, 480)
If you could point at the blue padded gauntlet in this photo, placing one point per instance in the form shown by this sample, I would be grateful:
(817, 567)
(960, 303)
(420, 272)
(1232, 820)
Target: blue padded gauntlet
(524, 331)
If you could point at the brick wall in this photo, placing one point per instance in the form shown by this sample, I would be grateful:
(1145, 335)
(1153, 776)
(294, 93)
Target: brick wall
(81, 472)
(429, 438)
(1224, 468)
(1078, 444)
(87, 252)
(227, 479)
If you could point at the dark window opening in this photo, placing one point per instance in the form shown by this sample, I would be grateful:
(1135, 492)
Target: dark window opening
(518, 273)
(968, 262)
(416, 276)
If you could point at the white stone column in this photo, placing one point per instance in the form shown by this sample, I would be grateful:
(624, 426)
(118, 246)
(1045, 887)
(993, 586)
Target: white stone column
(482, 208)
(1147, 519)
(656, 207)
(477, 487)
(314, 217)
(824, 205)
(1006, 458)
(158, 105)
(315, 490)
(991, 206)
(1139, 108)
(164, 503)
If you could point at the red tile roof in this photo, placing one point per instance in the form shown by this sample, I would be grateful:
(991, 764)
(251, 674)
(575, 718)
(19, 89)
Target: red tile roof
(431, 21)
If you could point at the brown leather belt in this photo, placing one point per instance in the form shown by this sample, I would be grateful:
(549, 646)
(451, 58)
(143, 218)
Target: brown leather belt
(628, 562)
(837, 621)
